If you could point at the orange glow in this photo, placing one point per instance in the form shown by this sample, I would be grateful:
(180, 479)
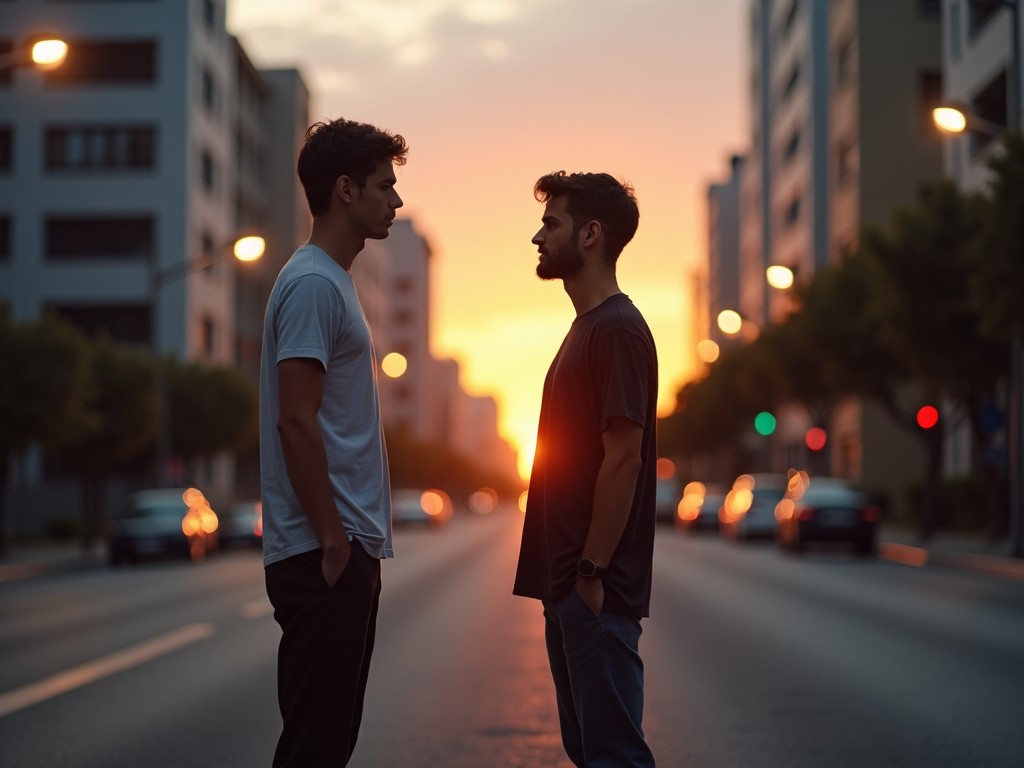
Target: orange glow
(200, 520)
(249, 248)
(436, 503)
(522, 501)
(483, 501)
(708, 351)
(49, 53)
(666, 468)
(394, 365)
(489, 310)
(693, 498)
(784, 510)
(730, 322)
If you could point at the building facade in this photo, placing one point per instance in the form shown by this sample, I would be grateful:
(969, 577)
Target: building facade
(840, 100)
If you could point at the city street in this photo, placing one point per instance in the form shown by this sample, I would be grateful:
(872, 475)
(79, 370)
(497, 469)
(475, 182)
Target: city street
(754, 658)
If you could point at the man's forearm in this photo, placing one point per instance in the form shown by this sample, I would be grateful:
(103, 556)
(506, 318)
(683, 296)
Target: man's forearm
(613, 500)
(306, 462)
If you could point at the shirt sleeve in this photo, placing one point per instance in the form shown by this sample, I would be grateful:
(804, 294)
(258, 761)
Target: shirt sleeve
(623, 365)
(309, 317)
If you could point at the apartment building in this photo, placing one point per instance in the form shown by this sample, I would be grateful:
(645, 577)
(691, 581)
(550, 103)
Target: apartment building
(142, 157)
(840, 99)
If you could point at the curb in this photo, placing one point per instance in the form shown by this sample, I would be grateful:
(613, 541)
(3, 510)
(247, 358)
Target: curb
(919, 557)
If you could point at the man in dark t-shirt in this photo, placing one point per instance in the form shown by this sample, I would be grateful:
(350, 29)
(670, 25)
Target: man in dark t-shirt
(588, 536)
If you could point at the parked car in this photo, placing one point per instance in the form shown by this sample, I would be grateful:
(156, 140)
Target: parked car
(242, 525)
(411, 506)
(667, 495)
(699, 508)
(827, 509)
(161, 522)
(748, 510)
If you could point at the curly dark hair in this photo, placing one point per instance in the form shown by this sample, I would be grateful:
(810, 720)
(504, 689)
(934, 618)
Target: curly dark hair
(343, 148)
(595, 196)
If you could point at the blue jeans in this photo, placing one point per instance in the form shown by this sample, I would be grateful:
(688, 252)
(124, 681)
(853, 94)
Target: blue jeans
(599, 684)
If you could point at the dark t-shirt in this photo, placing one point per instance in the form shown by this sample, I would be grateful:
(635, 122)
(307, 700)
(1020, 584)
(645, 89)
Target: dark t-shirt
(607, 366)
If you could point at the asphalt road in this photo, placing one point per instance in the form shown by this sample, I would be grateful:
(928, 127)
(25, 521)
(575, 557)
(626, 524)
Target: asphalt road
(753, 658)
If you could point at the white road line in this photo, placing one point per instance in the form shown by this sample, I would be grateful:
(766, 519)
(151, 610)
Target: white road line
(62, 682)
(256, 609)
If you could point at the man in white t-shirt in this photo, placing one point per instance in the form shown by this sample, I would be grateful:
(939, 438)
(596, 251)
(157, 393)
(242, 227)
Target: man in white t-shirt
(324, 469)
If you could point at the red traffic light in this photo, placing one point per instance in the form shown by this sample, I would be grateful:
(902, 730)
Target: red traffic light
(927, 416)
(815, 438)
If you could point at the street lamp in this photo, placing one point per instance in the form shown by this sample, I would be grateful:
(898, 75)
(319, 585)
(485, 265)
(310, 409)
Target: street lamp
(42, 51)
(780, 277)
(248, 247)
(732, 323)
(953, 119)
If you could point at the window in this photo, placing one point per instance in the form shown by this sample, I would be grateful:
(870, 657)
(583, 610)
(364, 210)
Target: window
(6, 49)
(125, 323)
(404, 286)
(208, 171)
(128, 62)
(100, 147)
(979, 12)
(5, 237)
(789, 20)
(210, 15)
(77, 237)
(929, 84)
(792, 213)
(791, 148)
(845, 62)
(210, 95)
(847, 162)
(6, 148)
(207, 337)
(990, 105)
(791, 83)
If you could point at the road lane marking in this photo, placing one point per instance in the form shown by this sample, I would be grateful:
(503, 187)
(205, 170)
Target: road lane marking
(62, 682)
(256, 609)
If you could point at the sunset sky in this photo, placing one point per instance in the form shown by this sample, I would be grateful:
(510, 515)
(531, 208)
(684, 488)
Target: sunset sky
(492, 94)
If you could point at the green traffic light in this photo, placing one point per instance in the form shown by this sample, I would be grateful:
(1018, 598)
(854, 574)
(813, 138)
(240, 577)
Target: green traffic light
(764, 423)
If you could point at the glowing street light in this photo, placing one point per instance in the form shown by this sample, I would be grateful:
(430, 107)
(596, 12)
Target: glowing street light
(394, 365)
(780, 277)
(729, 322)
(708, 351)
(950, 119)
(42, 51)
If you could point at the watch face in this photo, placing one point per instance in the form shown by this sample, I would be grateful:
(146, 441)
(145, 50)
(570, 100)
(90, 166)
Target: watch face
(587, 568)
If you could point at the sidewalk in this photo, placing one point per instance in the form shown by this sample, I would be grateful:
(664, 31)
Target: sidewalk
(24, 561)
(968, 551)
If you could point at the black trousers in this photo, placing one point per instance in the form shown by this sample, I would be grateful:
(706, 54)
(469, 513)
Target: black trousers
(324, 655)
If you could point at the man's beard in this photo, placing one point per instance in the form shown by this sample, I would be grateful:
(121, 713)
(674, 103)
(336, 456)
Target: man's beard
(563, 263)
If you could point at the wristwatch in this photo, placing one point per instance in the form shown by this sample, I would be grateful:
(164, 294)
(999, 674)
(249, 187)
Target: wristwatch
(588, 569)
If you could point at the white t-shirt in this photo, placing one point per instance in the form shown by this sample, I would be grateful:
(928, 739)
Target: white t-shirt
(314, 312)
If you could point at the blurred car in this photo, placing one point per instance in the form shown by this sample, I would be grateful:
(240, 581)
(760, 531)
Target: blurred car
(420, 507)
(162, 522)
(827, 509)
(667, 495)
(242, 525)
(748, 510)
(698, 510)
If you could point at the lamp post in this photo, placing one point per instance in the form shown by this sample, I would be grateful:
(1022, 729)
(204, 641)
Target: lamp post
(954, 119)
(42, 51)
(248, 247)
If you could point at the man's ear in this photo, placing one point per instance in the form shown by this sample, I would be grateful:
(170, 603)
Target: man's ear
(590, 233)
(344, 188)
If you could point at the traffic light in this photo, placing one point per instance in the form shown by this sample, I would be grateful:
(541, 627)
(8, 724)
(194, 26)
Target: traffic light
(815, 438)
(927, 416)
(764, 423)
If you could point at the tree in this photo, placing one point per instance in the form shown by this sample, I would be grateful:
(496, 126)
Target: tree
(212, 409)
(41, 391)
(121, 428)
(923, 265)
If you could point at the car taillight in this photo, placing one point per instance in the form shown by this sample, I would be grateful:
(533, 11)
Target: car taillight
(805, 513)
(871, 514)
